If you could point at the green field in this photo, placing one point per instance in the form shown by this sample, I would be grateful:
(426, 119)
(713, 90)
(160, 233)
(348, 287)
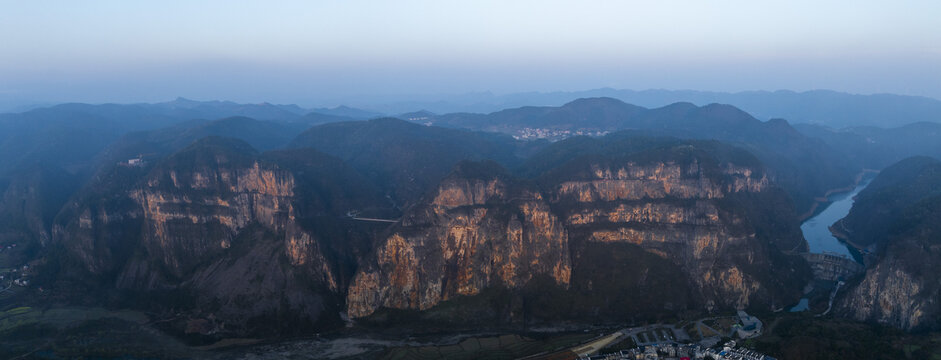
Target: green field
(802, 336)
(77, 332)
(725, 325)
(62, 317)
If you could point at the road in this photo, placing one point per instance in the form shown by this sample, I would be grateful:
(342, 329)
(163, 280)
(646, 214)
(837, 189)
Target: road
(598, 344)
(832, 296)
(593, 346)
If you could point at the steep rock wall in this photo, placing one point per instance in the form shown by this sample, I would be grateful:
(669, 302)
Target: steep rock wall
(474, 234)
(890, 294)
(673, 210)
(193, 216)
(899, 216)
(219, 225)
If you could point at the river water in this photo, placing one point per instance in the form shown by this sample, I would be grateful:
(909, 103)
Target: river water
(817, 232)
(816, 229)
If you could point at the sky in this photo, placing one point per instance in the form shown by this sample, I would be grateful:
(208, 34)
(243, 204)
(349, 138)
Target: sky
(318, 52)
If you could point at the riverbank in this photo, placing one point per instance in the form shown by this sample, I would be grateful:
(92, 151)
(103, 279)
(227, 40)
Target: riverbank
(818, 231)
(860, 253)
(825, 199)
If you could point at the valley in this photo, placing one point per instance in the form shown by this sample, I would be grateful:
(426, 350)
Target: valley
(328, 237)
(497, 180)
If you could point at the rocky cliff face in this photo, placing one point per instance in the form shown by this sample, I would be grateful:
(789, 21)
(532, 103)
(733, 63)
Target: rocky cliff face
(661, 180)
(473, 233)
(891, 294)
(29, 202)
(196, 214)
(900, 286)
(478, 231)
(674, 210)
(220, 223)
(253, 238)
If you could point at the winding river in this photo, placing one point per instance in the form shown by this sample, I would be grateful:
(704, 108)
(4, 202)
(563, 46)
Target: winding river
(816, 229)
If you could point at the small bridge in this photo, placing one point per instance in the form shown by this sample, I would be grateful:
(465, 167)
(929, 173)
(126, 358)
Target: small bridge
(354, 214)
(375, 220)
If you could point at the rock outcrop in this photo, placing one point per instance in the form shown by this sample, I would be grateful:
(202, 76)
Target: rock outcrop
(895, 293)
(196, 214)
(900, 287)
(477, 231)
(222, 224)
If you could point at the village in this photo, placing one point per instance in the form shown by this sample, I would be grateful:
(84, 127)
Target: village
(670, 342)
(729, 351)
(15, 276)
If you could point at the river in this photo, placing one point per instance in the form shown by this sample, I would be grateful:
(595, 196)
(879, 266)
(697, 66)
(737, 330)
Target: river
(816, 229)
(817, 232)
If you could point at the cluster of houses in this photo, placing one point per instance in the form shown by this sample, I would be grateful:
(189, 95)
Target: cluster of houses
(8, 247)
(553, 134)
(135, 162)
(138, 161)
(682, 352)
(748, 327)
(17, 275)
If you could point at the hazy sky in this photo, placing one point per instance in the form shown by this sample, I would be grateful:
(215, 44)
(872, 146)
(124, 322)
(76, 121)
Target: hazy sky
(309, 51)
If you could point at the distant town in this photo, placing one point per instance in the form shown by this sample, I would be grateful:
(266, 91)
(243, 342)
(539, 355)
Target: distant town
(554, 134)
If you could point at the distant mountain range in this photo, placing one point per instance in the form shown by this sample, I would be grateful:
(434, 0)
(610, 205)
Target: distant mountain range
(67, 136)
(831, 108)
(797, 161)
(820, 107)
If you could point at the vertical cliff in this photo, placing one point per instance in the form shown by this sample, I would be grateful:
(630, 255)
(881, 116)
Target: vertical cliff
(193, 214)
(478, 229)
(29, 202)
(901, 288)
(696, 214)
(900, 217)
(247, 237)
(691, 207)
